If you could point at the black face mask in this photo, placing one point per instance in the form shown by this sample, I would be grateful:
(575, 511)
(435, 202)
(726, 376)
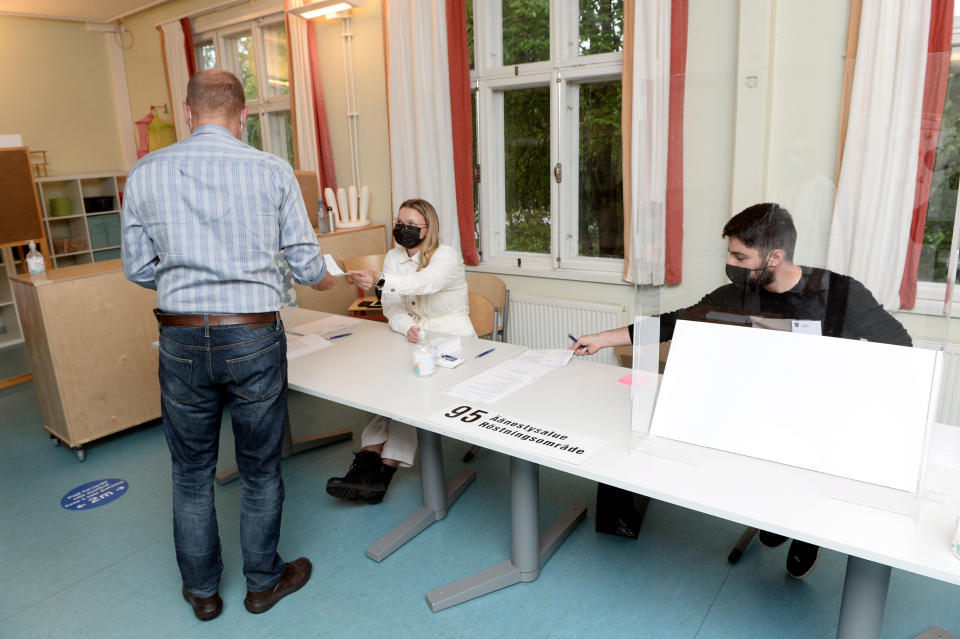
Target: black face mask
(406, 235)
(740, 276)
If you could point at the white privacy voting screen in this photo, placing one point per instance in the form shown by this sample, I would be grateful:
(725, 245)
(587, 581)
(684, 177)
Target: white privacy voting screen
(849, 408)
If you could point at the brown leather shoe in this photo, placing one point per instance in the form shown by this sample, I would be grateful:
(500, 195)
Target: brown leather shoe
(294, 577)
(205, 608)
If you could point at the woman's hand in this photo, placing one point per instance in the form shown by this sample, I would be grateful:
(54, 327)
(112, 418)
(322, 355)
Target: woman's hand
(413, 335)
(364, 278)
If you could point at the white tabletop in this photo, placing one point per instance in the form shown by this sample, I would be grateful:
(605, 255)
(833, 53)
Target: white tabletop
(373, 370)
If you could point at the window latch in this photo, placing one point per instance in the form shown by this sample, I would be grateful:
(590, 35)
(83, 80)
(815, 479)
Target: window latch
(558, 172)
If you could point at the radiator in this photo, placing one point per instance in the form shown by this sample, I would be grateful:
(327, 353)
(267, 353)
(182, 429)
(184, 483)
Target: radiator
(949, 410)
(545, 322)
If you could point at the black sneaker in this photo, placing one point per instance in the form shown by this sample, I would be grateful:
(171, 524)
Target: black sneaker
(802, 558)
(769, 539)
(386, 474)
(363, 481)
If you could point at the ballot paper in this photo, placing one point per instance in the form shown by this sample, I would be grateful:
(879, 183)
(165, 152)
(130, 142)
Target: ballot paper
(300, 345)
(495, 383)
(332, 267)
(547, 356)
(325, 324)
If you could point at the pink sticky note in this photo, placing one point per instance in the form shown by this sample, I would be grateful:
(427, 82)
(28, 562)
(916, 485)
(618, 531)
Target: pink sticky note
(628, 378)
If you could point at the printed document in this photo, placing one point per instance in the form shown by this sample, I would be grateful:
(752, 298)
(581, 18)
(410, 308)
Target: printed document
(494, 384)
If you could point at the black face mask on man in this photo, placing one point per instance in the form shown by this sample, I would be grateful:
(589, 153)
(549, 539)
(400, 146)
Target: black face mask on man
(406, 235)
(740, 276)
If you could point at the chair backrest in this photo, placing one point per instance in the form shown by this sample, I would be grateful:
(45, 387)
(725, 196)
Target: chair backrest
(372, 262)
(481, 314)
(495, 290)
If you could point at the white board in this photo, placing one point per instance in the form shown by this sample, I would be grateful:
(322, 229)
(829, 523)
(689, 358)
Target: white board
(849, 408)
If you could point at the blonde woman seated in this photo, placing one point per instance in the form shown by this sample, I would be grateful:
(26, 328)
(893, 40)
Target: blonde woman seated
(423, 287)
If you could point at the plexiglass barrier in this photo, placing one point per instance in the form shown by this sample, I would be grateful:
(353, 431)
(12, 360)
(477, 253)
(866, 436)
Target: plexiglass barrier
(817, 199)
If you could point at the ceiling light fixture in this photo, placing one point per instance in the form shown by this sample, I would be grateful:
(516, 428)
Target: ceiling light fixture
(327, 8)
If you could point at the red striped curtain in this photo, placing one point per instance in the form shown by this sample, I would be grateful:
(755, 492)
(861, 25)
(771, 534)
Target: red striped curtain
(673, 267)
(188, 46)
(934, 95)
(325, 169)
(461, 112)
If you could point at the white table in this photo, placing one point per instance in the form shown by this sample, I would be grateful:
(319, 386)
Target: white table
(585, 397)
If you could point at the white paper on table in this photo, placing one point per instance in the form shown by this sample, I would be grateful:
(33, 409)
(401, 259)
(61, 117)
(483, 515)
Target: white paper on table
(844, 407)
(495, 383)
(446, 344)
(945, 446)
(547, 356)
(300, 345)
(325, 324)
(332, 267)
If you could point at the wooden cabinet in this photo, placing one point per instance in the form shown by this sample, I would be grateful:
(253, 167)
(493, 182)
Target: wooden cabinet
(82, 216)
(88, 333)
(365, 240)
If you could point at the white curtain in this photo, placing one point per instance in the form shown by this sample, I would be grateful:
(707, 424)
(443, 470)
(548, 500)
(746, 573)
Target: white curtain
(650, 108)
(875, 192)
(174, 52)
(421, 130)
(303, 91)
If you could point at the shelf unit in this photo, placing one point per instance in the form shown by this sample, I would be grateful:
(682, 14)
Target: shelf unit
(11, 331)
(82, 236)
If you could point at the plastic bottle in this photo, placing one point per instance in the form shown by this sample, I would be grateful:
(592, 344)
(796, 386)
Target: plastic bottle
(35, 263)
(322, 218)
(424, 358)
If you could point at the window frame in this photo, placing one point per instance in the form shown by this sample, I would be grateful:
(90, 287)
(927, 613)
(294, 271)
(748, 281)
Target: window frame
(562, 75)
(263, 105)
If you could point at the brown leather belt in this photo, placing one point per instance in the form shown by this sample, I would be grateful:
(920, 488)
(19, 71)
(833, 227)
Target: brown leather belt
(170, 319)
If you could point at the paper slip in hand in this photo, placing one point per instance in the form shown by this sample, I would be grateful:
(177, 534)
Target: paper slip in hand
(547, 356)
(332, 267)
(300, 345)
(325, 324)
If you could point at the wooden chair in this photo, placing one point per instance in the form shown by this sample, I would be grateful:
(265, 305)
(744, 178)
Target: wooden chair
(481, 315)
(367, 305)
(495, 290)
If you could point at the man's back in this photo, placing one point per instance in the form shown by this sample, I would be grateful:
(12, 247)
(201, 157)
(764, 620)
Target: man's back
(217, 212)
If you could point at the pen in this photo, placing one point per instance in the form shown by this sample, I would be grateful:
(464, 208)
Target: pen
(486, 352)
(575, 341)
(340, 335)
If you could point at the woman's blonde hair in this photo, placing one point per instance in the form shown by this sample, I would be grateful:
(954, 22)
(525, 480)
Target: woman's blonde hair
(432, 240)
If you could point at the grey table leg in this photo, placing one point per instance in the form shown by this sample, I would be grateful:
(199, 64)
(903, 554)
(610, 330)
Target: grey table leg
(864, 597)
(438, 496)
(293, 446)
(531, 549)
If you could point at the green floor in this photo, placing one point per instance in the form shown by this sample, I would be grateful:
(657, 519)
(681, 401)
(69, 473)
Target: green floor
(110, 571)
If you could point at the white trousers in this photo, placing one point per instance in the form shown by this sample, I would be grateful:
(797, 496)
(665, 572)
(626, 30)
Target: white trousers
(399, 440)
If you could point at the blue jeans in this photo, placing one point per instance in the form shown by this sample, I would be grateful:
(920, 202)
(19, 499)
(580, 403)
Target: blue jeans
(203, 369)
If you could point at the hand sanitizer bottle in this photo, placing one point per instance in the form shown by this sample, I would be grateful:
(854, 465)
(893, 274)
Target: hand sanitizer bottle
(35, 261)
(424, 363)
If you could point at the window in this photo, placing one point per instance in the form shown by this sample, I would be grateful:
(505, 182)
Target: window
(256, 52)
(547, 103)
